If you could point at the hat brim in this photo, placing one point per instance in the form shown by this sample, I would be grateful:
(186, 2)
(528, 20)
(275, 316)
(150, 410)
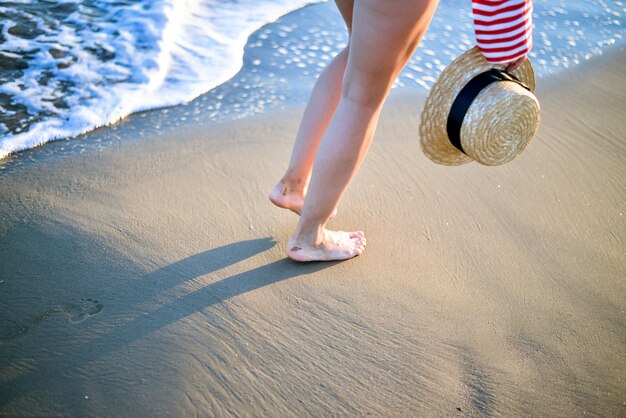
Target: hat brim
(434, 139)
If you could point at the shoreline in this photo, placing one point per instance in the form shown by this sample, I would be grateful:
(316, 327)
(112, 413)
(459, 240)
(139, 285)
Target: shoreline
(148, 276)
(167, 121)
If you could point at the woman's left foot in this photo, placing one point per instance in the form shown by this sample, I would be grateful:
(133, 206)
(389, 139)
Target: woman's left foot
(332, 245)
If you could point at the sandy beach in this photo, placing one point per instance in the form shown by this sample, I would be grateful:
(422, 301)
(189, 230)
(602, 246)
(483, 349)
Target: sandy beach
(148, 277)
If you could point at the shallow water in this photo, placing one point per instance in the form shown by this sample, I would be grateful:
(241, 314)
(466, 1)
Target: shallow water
(68, 67)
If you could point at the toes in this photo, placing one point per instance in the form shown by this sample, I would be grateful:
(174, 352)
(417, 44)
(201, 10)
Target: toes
(360, 241)
(357, 234)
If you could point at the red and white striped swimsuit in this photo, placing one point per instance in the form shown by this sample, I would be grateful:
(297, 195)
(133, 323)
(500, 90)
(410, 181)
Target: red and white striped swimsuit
(503, 28)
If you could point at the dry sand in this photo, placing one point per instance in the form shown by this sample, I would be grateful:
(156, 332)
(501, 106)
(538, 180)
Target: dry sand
(149, 278)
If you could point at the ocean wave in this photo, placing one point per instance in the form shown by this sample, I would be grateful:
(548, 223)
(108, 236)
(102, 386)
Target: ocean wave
(70, 66)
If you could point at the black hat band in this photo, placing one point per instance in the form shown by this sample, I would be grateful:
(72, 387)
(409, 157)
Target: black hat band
(466, 96)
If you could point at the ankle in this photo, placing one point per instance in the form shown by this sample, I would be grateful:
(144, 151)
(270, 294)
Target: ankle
(294, 183)
(312, 235)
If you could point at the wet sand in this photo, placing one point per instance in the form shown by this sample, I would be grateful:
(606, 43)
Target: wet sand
(148, 277)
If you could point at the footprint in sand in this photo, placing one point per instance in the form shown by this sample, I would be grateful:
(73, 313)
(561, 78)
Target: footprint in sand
(75, 311)
(78, 311)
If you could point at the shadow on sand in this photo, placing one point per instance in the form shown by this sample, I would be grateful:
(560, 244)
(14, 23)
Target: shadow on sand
(120, 326)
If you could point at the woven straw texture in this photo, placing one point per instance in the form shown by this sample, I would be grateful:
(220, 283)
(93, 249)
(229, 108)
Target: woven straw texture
(500, 123)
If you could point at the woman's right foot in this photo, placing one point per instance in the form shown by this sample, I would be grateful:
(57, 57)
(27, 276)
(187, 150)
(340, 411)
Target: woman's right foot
(286, 197)
(283, 196)
(334, 245)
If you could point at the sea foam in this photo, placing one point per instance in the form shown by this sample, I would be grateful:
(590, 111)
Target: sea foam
(76, 65)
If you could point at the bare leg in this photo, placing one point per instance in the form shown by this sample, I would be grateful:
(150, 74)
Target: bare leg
(385, 33)
(289, 192)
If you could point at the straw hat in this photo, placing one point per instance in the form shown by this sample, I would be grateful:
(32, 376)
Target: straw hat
(499, 123)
